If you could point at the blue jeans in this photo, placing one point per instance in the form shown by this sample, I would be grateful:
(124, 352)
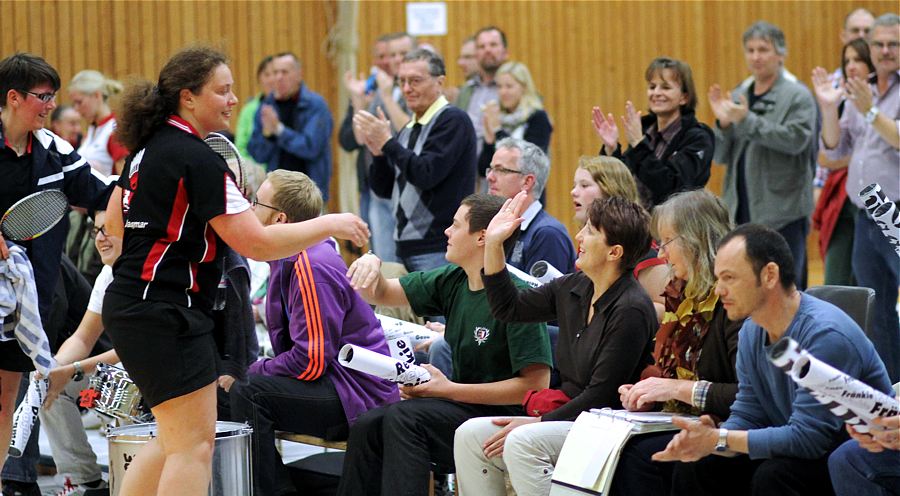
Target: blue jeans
(441, 356)
(425, 261)
(24, 468)
(877, 266)
(795, 235)
(858, 472)
(382, 224)
(365, 198)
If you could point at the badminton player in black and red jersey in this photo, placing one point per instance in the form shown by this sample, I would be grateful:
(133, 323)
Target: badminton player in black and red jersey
(176, 203)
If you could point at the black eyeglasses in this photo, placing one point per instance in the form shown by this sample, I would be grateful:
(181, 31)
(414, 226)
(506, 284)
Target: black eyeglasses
(666, 244)
(43, 97)
(499, 169)
(254, 204)
(98, 230)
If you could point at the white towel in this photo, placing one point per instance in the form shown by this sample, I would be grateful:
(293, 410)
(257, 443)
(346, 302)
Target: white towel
(19, 302)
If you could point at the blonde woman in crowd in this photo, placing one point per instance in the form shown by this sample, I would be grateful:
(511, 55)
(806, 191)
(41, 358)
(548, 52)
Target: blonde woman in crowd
(90, 92)
(605, 177)
(519, 113)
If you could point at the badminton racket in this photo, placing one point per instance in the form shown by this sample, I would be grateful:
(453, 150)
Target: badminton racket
(34, 215)
(226, 149)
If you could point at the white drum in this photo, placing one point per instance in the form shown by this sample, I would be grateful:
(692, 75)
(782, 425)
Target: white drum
(231, 470)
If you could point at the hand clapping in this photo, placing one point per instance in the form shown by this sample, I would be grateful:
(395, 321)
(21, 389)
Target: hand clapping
(727, 112)
(606, 129)
(859, 92)
(376, 131)
(827, 94)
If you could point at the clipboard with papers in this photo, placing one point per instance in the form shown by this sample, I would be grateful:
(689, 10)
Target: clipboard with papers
(589, 457)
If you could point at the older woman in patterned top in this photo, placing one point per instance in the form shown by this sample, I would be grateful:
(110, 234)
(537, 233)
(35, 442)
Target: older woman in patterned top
(696, 345)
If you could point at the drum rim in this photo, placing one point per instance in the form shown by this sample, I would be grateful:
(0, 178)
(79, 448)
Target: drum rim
(149, 429)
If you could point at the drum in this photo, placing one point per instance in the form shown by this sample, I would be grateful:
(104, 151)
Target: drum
(231, 470)
(112, 393)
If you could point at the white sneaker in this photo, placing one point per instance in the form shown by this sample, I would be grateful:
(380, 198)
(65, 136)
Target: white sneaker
(70, 489)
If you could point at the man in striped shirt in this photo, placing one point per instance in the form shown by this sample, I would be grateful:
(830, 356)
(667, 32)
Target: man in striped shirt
(311, 312)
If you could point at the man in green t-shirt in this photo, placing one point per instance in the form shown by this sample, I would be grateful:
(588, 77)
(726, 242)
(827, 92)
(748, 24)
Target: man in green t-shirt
(391, 449)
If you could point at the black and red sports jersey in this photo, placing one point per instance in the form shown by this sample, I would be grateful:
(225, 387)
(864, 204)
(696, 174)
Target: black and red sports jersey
(171, 188)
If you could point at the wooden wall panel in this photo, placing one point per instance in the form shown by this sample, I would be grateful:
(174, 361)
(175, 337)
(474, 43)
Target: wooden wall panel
(587, 53)
(581, 53)
(124, 39)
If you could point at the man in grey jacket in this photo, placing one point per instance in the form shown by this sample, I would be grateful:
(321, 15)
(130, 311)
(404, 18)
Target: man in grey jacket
(765, 135)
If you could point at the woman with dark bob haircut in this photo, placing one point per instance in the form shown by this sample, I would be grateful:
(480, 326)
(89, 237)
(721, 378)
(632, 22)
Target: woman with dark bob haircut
(175, 204)
(668, 149)
(606, 324)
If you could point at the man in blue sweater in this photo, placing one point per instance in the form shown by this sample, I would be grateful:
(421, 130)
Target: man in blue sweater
(778, 437)
(518, 165)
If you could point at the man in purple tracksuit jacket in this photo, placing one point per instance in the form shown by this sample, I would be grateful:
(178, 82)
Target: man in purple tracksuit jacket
(312, 312)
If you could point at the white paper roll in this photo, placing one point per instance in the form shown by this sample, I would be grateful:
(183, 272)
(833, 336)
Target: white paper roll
(853, 401)
(784, 354)
(398, 371)
(544, 272)
(532, 281)
(415, 334)
(26, 414)
(884, 212)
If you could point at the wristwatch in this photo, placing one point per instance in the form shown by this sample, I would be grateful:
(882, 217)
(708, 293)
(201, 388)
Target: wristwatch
(722, 443)
(872, 114)
(79, 372)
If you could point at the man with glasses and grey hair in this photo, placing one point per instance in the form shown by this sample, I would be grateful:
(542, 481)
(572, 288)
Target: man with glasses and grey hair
(518, 165)
(867, 132)
(765, 135)
(428, 168)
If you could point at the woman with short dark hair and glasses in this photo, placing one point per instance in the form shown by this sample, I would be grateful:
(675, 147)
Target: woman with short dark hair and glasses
(33, 159)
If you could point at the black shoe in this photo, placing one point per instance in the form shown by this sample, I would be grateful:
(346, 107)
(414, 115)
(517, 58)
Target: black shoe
(16, 488)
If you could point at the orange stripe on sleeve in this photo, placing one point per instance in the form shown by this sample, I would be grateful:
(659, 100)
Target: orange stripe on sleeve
(320, 349)
(306, 284)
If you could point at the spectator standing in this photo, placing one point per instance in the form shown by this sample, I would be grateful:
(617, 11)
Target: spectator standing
(428, 168)
(519, 113)
(292, 128)
(765, 136)
(868, 132)
(668, 149)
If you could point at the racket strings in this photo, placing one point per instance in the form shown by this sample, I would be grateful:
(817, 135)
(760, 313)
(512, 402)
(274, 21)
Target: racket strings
(227, 151)
(34, 216)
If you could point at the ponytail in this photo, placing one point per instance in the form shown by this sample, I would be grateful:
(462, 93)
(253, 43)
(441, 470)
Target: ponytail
(142, 112)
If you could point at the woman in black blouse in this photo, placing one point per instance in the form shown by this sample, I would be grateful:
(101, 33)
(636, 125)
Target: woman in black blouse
(606, 323)
(668, 149)
(520, 113)
(696, 345)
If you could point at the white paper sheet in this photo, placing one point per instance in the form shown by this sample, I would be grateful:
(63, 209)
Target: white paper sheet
(591, 451)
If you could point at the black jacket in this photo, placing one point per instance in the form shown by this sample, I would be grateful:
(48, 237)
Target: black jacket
(685, 164)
